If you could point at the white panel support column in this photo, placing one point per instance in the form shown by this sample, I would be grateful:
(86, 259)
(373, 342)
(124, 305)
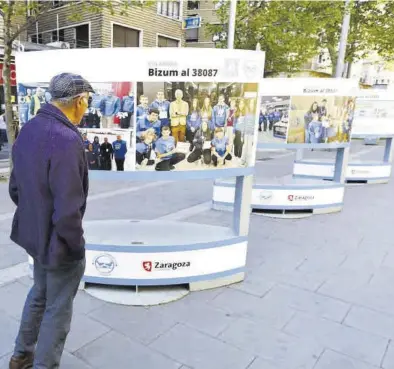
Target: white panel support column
(242, 204)
(341, 163)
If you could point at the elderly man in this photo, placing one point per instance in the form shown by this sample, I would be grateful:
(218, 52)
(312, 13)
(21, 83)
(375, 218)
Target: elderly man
(179, 109)
(49, 186)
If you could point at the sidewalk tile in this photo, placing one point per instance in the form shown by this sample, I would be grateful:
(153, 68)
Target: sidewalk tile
(200, 351)
(116, 351)
(70, 361)
(349, 341)
(11, 254)
(238, 303)
(8, 330)
(371, 321)
(334, 360)
(134, 322)
(309, 302)
(83, 331)
(14, 296)
(284, 350)
(84, 303)
(388, 361)
(198, 315)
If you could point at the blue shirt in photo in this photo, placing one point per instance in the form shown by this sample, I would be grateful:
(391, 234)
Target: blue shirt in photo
(220, 145)
(164, 146)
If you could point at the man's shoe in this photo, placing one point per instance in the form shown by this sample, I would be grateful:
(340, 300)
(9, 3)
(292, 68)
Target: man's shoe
(23, 362)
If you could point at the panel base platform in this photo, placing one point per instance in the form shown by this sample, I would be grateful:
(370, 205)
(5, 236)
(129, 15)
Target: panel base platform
(284, 197)
(358, 172)
(151, 262)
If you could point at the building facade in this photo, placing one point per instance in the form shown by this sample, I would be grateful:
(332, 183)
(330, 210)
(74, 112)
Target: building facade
(159, 24)
(206, 9)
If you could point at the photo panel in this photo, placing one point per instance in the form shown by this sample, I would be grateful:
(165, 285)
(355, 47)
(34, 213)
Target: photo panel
(195, 125)
(315, 119)
(109, 149)
(374, 114)
(273, 119)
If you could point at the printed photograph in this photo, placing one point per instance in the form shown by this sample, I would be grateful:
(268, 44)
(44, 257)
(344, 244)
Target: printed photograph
(112, 105)
(109, 149)
(189, 126)
(320, 119)
(273, 119)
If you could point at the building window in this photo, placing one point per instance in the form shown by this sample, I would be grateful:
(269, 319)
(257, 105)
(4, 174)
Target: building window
(192, 35)
(125, 37)
(61, 35)
(167, 42)
(170, 9)
(82, 36)
(193, 5)
(35, 39)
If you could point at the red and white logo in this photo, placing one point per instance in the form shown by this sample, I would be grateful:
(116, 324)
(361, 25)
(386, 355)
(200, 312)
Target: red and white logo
(147, 265)
(290, 197)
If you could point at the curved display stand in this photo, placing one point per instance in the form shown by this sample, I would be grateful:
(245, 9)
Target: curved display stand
(289, 197)
(176, 258)
(358, 172)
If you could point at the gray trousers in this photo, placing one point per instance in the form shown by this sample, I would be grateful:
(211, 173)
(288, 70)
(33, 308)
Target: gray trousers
(47, 313)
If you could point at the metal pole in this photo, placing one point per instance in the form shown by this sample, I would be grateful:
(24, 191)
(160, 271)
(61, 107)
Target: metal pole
(37, 32)
(343, 41)
(231, 24)
(57, 26)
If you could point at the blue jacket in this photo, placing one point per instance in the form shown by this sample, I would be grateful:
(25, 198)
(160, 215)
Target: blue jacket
(144, 124)
(193, 120)
(127, 104)
(164, 110)
(23, 113)
(110, 105)
(219, 114)
(96, 101)
(142, 112)
(163, 146)
(48, 218)
(120, 149)
(315, 131)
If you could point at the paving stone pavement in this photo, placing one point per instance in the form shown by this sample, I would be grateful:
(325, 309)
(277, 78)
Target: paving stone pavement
(318, 294)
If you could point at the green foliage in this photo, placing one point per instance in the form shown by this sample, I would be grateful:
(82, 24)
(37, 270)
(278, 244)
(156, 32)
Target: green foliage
(291, 32)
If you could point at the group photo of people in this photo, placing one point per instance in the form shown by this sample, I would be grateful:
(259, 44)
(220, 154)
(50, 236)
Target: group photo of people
(273, 119)
(320, 119)
(107, 149)
(30, 99)
(111, 106)
(186, 125)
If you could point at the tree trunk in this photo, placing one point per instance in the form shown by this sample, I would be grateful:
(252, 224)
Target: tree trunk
(11, 124)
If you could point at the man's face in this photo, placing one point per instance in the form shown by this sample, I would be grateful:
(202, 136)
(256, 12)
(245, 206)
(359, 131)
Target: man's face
(160, 95)
(106, 140)
(221, 100)
(81, 103)
(144, 101)
(85, 137)
(166, 133)
(153, 117)
(119, 138)
(28, 91)
(178, 95)
(323, 104)
(40, 92)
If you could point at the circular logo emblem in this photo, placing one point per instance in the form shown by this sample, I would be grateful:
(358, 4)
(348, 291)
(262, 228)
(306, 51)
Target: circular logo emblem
(265, 196)
(105, 264)
(290, 197)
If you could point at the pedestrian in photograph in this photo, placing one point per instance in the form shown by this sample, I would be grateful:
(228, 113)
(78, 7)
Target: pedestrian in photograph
(220, 148)
(120, 151)
(165, 148)
(93, 159)
(202, 145)
(308, 118)
(179, 109)
(144, 152)
(49, 186)
(107, 153)
(193, 122)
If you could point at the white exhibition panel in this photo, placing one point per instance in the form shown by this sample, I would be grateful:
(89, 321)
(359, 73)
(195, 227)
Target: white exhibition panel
(182, 264)
(374, 114)
(308, 87)
(314, 170)
(360, 171)
(284, 197)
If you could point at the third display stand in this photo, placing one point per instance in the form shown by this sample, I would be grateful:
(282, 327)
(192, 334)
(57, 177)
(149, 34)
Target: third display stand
(373, 122)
